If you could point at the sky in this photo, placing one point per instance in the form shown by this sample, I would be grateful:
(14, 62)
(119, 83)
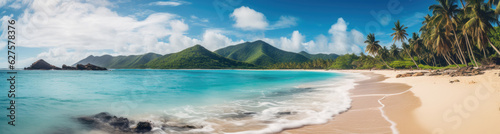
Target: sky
(66, 31)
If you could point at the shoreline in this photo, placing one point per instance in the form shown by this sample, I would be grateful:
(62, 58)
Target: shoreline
(425, 104)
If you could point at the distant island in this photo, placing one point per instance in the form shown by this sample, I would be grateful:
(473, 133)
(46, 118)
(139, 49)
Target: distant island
(248, 55)
(43, 65)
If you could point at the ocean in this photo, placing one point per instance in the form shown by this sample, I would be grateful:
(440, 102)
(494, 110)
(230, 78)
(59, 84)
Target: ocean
(208, 101)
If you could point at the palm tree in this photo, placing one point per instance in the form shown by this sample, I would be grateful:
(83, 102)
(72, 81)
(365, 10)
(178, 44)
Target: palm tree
(464, 20)
(416, 45)
(400, 35)
(394, 51)
(373, 47)
(479, 25)
(445, 15)
(383, 52)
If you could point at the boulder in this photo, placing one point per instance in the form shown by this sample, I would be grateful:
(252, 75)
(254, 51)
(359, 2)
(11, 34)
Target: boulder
(64, 67)
(41, 65)
(143, 127)
(418, 74)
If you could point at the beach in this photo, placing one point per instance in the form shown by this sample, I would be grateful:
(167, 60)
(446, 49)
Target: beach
(424, 104)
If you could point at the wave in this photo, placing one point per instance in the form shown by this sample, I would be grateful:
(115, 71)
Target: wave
(306, 104)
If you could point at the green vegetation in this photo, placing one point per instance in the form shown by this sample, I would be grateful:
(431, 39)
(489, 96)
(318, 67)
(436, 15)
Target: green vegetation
(319, 56)
(108, 61)
(260, 53)
(450, 37)
(456, 34)
(196, 57)
(313, 64)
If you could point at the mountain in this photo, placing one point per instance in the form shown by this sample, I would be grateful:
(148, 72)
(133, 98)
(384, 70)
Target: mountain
(319, 56)
(196, 57)
(131, 61)
(41, 65)
(259, 53)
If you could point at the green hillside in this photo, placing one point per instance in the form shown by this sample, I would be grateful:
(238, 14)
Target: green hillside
(319, 56)
(260, 53)
(131, 61)
(196, 57)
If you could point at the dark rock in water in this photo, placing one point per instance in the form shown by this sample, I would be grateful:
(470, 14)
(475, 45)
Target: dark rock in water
(143, 127)
(181, 127)
(64, 67)
(284, 113)
(106, 122)
(120, 123)
(41, 65)
(89, 67)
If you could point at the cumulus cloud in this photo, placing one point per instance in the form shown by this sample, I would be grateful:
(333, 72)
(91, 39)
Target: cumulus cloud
(344, 41)
(415, 19)
(285, 22)
(340, 41)
(71, 30)
(249, 19)
(169, 3)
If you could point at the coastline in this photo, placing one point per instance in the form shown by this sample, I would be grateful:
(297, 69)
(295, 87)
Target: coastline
(426, 104)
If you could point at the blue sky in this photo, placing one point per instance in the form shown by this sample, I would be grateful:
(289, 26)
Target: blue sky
(63, 32)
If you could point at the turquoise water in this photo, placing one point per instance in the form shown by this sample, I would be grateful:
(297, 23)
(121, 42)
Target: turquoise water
(49, 101)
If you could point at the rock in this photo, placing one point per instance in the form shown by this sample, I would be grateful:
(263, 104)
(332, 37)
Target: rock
(106, 122)
(143, 127)
(120, 123)
(399, 76)
(89, 67)
(41, 65)
(284, 113)
(64, 67)
(418, 74)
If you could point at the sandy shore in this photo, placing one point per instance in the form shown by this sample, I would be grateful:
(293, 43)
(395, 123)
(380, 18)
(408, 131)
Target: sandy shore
(417, 105)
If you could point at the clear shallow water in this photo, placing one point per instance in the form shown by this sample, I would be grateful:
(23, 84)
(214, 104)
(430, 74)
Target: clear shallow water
(49, 101)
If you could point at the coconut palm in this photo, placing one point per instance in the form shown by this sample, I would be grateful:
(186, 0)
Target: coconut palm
(394, 51)
(400, 35)
(416, 45)
(382, 53)
(373, 47)
(445, 15)
(479, 25)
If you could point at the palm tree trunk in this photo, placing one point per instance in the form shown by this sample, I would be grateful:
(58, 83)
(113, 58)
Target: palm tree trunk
(470, 50)
(434, 57)
(493, 46)
(459, 48)
(446, 59)
(449, 56)
(412, 59)
(386, 63)
(467, 39)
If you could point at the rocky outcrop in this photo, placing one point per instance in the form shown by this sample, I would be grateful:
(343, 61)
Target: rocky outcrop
(64, 67)
(106, 122)
(43, 65)
(463, 71)
(120, 125)
(143, 127)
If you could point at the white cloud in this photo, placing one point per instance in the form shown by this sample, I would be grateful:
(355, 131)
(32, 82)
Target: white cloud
(213, 40)
(341, 41)
(74, 28)
(249, 19)
(3, 2)
(169, 3)
(415, 19)
(285, 22)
